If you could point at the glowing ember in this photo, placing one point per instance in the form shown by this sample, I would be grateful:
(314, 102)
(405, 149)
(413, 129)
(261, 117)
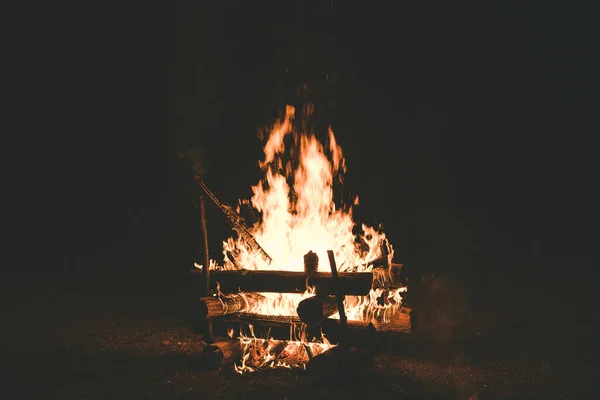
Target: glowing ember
(297, 219)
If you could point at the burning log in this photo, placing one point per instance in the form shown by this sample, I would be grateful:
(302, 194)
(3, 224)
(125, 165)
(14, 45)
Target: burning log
(397, 333)
(352, 283)
(216, 306)
(359, 333)
(400, 322)
(271, 326)
(316, 308)
(233, 281)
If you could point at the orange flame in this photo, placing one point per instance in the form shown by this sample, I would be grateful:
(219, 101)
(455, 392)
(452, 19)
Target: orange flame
(303, 217)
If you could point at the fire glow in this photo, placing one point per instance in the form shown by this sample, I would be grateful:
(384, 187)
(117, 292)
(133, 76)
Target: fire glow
(296, 202)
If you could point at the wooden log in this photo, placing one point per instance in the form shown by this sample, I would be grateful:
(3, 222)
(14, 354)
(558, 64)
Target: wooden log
(396, 335)
(261, 326)
(223, 352)
(316, 308)
(233, 281)
(359, 333)
(400, 322)
(215, 306)
(353, 283)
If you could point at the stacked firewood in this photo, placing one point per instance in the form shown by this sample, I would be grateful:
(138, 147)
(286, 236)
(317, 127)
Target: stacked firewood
(239, 293)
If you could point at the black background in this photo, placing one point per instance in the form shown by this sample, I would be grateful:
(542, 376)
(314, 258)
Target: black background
(468, 131)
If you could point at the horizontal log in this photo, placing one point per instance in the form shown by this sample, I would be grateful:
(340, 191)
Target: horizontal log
(399, 322)
(314, 309)
(223, 352)
(216, 306)
(353, 283)
(232, 281)
(359, 333)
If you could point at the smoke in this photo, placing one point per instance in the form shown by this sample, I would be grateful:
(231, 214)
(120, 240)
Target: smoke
(196, 158)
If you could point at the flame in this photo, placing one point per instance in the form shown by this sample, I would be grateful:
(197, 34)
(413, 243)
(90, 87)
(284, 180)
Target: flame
(299, 215)
(260, 353)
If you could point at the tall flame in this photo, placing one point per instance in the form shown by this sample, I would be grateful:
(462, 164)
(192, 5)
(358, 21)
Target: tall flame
(302, 217)
(299, 215)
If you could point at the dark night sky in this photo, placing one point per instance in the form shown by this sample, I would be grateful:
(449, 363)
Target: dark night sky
(467, 130)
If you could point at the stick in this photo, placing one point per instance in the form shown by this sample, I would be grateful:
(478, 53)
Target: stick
(206, 269)
(338, 296)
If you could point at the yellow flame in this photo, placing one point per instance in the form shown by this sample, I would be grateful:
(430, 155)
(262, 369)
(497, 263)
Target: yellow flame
(299, 215)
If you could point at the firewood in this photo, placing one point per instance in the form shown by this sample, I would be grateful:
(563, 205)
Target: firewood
(233, 281)
(216, 306)
(359, 333)
(396, 335)
(400, 322)
(223, 352)
(352, 283)
(314, 309)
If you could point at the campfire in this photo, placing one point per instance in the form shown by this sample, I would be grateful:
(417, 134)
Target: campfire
(299, 285)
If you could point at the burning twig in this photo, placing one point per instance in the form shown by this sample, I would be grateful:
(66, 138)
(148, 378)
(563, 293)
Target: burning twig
(233, 219)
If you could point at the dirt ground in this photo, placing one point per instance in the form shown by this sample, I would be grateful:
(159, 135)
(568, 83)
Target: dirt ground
(86, 346)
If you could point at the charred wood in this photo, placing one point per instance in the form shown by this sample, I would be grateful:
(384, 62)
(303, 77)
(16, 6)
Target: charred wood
(223, 352)
(316, 308)
(352, 283)
(263, 326)
(359, 333)
(399, 322)
(233, 281)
